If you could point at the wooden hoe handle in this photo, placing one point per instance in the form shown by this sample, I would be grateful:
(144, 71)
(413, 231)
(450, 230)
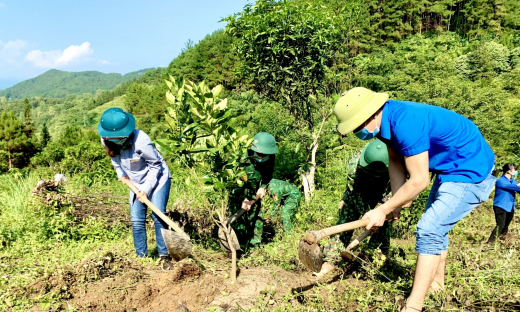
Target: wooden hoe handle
(359, 239)
(343, 228)
(315, 236)
(161, 215)
(241, 212)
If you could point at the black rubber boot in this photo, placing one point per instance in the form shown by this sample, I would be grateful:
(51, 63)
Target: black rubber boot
(166, 263)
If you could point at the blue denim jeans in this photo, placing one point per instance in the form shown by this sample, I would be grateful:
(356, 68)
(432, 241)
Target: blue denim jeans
(447, 204)
(138, 217)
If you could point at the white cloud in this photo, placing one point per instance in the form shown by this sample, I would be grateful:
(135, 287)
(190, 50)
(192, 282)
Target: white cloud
(12, 50)
(57, 58)
(105, 62)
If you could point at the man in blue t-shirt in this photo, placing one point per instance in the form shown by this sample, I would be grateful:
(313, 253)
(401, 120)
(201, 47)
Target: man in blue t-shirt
(421, 139)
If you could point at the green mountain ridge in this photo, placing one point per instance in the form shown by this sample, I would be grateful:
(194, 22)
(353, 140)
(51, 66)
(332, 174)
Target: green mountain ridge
(57, 84)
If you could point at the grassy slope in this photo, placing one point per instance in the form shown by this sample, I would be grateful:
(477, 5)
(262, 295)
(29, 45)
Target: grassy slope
(34, 243)
(98, 111)
(58, 118)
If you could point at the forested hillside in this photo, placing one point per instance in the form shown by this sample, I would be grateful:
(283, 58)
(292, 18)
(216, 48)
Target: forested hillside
(58, 84)
(277, 66)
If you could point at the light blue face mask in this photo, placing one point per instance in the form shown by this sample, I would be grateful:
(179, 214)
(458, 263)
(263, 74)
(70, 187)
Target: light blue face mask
(364, 134)
(515, 174)
(120, 141)
(260, 160)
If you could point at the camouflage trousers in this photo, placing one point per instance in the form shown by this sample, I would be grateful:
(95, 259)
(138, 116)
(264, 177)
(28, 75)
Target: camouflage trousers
(250, 226)
(353, 210)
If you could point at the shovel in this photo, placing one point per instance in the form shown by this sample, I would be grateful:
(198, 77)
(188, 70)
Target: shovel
(233, 236)
(178, 244)
(309, 251)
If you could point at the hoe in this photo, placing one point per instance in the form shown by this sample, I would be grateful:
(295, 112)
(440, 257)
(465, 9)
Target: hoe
(233, 235)
(309, 251)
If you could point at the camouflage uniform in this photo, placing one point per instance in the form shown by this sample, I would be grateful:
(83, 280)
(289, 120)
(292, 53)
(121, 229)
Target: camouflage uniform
(362, 194)
(249, 227)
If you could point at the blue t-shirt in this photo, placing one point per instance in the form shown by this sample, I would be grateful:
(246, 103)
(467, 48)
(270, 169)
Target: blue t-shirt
(505, 191)
(457, 150)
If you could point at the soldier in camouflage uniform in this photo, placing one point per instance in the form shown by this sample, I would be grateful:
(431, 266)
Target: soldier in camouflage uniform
(368, 183)
(249, 227)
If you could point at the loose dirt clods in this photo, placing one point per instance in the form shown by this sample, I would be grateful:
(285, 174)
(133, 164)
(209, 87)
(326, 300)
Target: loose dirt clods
(68, 281)
(111, 209)
(115, 283)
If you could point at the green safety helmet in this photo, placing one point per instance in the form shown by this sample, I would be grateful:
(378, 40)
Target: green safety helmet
(116, 124)
(356, 106)
(374, 156)
(264, 143)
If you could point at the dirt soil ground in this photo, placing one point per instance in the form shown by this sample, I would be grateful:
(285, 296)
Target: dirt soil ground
(116, 285)
(186, 288)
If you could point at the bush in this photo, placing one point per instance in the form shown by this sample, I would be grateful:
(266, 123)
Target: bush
(488, 60)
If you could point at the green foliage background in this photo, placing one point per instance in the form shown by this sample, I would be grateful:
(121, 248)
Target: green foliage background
(462, 55)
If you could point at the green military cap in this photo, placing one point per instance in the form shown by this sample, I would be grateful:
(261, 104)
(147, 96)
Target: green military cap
(264, 143)
(374, 155)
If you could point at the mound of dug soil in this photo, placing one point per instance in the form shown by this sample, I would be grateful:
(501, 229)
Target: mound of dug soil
(117, 283)
(110, 208)
(67, 282)
(186, 288)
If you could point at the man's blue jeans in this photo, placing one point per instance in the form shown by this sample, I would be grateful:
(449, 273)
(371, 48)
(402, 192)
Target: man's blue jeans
(138, 217)
(447, 204)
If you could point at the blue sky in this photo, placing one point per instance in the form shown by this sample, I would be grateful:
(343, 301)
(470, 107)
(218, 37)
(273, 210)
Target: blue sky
(108, 36)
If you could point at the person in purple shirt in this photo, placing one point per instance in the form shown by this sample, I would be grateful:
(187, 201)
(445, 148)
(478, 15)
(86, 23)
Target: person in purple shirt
(135, 159)
(420, 139)
(506, 188)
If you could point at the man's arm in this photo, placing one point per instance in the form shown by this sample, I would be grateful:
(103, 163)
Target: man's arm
(418, 169)
(396, 170)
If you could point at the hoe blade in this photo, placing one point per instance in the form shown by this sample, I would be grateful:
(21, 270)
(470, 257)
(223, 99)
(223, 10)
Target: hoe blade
(310, 255)
(178, 244)
(224, 243)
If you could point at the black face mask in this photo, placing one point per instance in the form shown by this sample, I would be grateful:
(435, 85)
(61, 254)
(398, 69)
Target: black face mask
(374, 171)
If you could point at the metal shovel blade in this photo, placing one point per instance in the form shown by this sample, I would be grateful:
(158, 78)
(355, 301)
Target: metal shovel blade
(224, 242)
(310, 255)
(178, 244)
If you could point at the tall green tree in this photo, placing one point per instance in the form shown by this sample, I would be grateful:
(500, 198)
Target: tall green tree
(286, 48)
(212, 60)
(45, 136)
(28, 127)
(16, 148)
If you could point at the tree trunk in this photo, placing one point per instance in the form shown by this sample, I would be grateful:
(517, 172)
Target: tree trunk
(308, 176)
(226, 228)
(233, 272)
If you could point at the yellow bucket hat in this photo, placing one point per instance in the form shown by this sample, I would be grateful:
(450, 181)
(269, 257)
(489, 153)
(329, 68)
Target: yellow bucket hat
(357, 106)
